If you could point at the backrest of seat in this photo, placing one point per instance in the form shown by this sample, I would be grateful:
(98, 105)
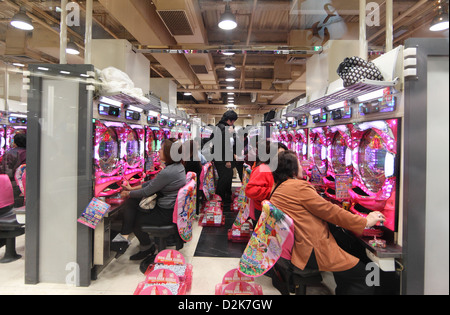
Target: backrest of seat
(265, 247)
(207, 180)
(6, 191)
(184, 210)
(20, 177)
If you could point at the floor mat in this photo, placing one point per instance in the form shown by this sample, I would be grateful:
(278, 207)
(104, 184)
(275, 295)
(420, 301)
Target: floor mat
(214, 241)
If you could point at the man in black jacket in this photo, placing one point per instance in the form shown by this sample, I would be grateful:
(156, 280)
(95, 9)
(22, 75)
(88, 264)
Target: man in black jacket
(224, 160)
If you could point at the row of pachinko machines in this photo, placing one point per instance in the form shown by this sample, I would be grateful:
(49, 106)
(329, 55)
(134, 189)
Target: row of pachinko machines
(355, 164)
(127, 152)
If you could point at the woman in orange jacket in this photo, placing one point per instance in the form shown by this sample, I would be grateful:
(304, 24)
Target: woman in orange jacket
(315, 246)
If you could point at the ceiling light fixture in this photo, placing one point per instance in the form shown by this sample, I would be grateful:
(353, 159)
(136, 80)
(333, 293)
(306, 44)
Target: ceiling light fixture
(440, 21)
(230, 87)
(228, 53)
(230, 79)
(21, 20)
(187, 93)
(72, 48)
(228, 19)
(229, 66)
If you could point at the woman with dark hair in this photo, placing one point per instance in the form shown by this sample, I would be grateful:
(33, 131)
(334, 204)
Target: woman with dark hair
(166, 185)
(261, 180)
(314, 246)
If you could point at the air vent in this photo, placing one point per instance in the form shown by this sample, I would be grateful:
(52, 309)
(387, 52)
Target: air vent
(199, 69)
(176, 22)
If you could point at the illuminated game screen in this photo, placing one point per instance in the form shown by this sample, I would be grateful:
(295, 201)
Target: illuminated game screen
(132, 155)
(372, 154)
(318, 156)
(108, 152)
(338, 151)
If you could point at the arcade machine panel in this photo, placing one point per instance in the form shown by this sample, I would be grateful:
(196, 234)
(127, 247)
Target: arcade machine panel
(375, 163)
(291, 140)
(107, 166)
(301, 144)
(339, 156)
(319, 146)
(2, 142)
(133, 163)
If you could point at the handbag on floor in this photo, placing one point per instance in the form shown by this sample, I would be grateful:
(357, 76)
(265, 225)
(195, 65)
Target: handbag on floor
(353, 70)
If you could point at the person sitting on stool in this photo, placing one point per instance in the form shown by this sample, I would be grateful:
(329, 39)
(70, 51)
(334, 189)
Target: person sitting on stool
(314, 246)
(166, 184)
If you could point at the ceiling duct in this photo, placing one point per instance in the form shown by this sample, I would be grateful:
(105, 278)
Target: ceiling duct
(199, 69)
(176, 22)
(176, 16)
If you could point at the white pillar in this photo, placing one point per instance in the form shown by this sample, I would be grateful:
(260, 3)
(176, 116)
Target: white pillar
(63, 33)
(88, 33)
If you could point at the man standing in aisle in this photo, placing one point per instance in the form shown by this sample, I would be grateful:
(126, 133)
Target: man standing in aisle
(223, 144)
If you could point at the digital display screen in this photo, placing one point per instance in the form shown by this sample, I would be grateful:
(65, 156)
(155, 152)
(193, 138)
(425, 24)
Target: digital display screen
(162, 122)
(17, 120)
(294, 124)
(107, 110)
(152, 119)
(303, 121)
(132, 115)
(378, 106)
(320, 118)
(103, 109)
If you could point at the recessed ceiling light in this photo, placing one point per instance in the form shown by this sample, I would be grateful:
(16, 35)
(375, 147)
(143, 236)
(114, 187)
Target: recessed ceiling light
(230, 87)
(230, 79)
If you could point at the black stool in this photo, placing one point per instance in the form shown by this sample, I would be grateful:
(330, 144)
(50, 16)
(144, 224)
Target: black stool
(288, 278)
(9, 230)
(304, 278)
(162, 233)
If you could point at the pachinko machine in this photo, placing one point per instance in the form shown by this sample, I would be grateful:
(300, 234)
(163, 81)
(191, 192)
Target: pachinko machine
(319, 155)
(2, 141)
(339, 158)
(153, 142)
(375, 163)
(301, 144)
(107, 166)
(133, 153)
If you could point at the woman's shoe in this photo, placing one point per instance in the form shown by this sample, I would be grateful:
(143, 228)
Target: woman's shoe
(119, 247)
(143, 254)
